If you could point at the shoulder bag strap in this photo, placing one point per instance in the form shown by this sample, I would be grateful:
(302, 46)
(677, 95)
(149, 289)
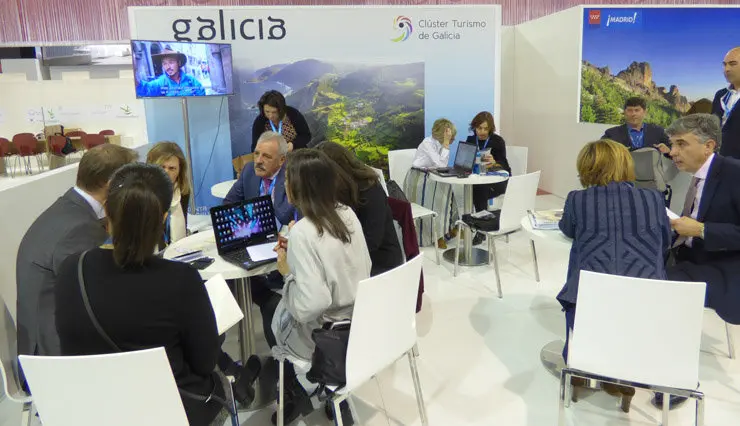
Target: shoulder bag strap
(86, 301)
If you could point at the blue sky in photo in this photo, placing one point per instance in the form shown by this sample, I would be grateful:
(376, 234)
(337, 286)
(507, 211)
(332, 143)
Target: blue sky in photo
(684, 46)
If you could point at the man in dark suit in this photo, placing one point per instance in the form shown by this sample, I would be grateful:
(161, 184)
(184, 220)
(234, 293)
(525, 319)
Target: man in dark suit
(74, 223)
(266, 176)
(724, 104)
(635, 133)
(707, 247)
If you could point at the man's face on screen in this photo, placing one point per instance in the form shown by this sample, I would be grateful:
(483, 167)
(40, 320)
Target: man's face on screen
(171, 66)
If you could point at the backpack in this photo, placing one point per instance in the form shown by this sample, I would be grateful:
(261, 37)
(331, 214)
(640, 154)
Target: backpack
(652, 169)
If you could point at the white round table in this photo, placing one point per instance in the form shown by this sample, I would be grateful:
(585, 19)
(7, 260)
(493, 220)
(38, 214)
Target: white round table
(220, 189)
(469, 256)
(551, 354)
(206, 242)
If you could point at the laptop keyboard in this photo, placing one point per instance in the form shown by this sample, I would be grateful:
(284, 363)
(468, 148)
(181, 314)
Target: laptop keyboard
(241, 256)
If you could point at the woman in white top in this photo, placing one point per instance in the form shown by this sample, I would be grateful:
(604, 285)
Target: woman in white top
(169, 156)
(434, 151)
(325, 259)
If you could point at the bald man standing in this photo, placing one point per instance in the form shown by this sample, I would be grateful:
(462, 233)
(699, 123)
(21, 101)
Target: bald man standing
(724, 105)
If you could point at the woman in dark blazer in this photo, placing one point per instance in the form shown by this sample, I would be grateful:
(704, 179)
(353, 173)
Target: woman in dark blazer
(483, 136)
(367, 198)
(616, 228)
(278, 117)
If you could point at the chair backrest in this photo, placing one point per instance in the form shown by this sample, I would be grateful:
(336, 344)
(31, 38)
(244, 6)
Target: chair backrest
(75, 134)
(382, 179)
(383, 321)
(9, 356)
(521, 192)
(92, 140)
(399, 163)
(107, 132)
(119, 389)
(517, 157)
(25, 143)
(646, 331)
(56, 143)
(4, 147)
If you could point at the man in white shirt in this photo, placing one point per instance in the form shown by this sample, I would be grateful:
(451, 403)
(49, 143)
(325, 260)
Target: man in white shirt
(707, 247)
(74, 223)
(724, 105)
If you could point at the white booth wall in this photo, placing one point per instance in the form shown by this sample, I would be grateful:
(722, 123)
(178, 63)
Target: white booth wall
(546, 81)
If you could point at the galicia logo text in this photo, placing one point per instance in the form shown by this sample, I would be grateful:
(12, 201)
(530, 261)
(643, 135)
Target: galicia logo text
(403, 26)
(206, 29)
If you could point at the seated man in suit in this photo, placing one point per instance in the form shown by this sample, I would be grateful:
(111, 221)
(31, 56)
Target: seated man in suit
(707, 247)
(266, 175)
(73, 224)
(635, 133)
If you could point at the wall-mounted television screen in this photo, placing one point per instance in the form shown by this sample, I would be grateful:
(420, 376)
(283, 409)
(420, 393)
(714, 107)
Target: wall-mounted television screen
(176, 69)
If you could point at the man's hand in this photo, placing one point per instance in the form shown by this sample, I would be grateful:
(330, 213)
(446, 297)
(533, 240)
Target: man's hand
(687, 227)
(282, 261)
(663, 148)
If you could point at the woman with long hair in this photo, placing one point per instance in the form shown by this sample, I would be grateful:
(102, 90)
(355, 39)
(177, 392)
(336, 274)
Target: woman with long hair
(363, 193)
(325, 260)
(142, 301)
(169, 156)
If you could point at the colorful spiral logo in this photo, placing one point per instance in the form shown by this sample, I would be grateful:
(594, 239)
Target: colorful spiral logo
(402, 24)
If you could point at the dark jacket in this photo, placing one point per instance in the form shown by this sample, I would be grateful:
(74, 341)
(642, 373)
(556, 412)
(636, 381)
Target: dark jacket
(376, 219)
(402, 214)
(616, 229)
(654, 135)
(249, 186)
(163, 304)
(67, 227)
(301, 128)
(716, 259)
(730, 146)
(498, 149)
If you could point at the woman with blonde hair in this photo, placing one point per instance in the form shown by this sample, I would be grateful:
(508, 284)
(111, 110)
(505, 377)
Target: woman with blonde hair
(616, 229)
(169, 156)
(434, 151)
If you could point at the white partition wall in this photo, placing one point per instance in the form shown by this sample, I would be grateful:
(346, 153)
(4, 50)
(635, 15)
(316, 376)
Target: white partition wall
(21, 204)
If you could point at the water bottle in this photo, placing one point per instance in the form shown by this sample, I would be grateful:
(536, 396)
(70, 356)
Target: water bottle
(476, 165)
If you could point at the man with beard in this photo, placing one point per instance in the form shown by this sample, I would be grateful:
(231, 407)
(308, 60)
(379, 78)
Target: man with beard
(173, 81)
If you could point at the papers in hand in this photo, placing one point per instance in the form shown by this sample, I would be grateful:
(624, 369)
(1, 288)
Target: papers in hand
(545, 219)
(224, 305)
(671, 215)
(262, 252)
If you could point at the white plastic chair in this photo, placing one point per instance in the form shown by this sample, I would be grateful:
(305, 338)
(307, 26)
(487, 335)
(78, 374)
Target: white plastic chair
(120, 389)
(378, 341)
(382, 179)
(662, 357)
(399, 164)
(730, 339)
(9, 364)
(521, 192)
(517, 157)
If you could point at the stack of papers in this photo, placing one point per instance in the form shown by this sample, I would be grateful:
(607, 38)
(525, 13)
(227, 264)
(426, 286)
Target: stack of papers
(228, 313)
(545, 219)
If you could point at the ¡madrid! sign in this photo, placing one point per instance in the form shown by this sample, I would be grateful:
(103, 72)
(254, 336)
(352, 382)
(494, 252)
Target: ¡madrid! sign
(371, 78)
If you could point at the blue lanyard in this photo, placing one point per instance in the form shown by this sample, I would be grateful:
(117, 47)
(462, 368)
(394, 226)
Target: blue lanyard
(726, 107)
(484, 145)
(269, 191)
(279, 129)
(167, 230)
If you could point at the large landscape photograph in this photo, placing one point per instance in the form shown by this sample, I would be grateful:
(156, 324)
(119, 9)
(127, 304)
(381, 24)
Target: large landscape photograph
(370, 109)
(670, 66)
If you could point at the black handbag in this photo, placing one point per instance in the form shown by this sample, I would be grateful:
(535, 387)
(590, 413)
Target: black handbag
(488, 223)
(114, 346)
(329, 360)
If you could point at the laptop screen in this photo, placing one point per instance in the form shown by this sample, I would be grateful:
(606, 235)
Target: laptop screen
(238, 225)
(465, 156)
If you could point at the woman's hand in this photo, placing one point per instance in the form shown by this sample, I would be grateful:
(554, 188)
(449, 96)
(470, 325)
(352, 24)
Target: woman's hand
(290, 146)
(488, 158)
(282, 260)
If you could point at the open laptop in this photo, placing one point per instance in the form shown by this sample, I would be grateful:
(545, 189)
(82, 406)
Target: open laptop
(464, 160)
(246, 232)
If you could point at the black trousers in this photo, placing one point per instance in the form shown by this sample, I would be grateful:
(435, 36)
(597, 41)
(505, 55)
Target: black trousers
(483, 193)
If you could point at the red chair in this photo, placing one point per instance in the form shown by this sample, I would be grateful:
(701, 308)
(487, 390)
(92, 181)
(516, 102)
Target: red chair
(5, 153)
(75, 134)
(107, 132)
(26, 144)
(56, 144)
(91, 140)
